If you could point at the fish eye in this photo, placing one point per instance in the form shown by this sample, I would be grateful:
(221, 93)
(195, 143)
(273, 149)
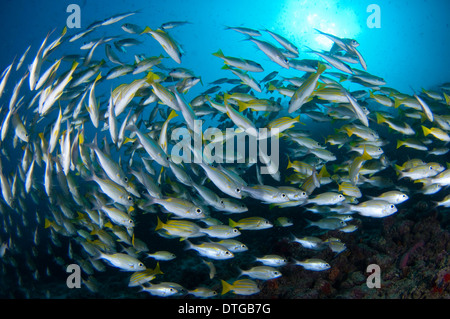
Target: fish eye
(227, 253)
(198, 211)
(243, 206)
(130, 221)
(234, 230)
(167, 158)
(126, 179)
(141, 265)
(238, 190)
(392, 206)
(222, 202)
(130, 198)
(303, 193)
(171, 290)
(431, 167)
(283, 195)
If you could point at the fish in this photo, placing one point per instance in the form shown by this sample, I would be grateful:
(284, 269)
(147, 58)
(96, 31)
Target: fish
(253, 223)
(179, 207)
(221, 231)
(243, 64)
(162, 255)
(203, 292)
(272, 260)
(329, 223)
(314, 264)
(173, 24)
(261, 272)
(272, 52)
(374, 208)
(169, 45)
(309, 242)
(393, 197)
(303, 93)
(326, 198)
(179, 228)
(144, 276)
(161, 290)
(122, 261)
(211, 250)
(284, 42)
(437, 133)
(245, 287)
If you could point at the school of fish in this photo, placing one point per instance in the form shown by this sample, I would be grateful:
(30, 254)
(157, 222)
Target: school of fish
(96, 166)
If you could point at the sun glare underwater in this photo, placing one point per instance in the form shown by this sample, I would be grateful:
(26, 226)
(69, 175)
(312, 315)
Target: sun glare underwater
(239, 149)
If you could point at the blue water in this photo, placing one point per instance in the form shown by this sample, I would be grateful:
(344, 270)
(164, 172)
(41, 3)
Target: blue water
(410, 51)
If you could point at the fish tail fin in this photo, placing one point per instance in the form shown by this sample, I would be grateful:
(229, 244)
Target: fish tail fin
(289, 163)
(399, 143)
(399, 171)
(349, 131)
(152, 77)
(447, 98)
(366, 155)
(129, 140)
(74, 66)
(423, 117)
(397, 102)
(99, 76)
(321, 68)
(189, 245)
(93, 144)
(172, 115)
(426, 130)
(380, 118)
(157, 270)
(231, 222)
(242, 106)
(310, 223)
(160, 224)
(147, 30)
(323, 172)
(219, 54)
(48, 223)
(226, 287)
